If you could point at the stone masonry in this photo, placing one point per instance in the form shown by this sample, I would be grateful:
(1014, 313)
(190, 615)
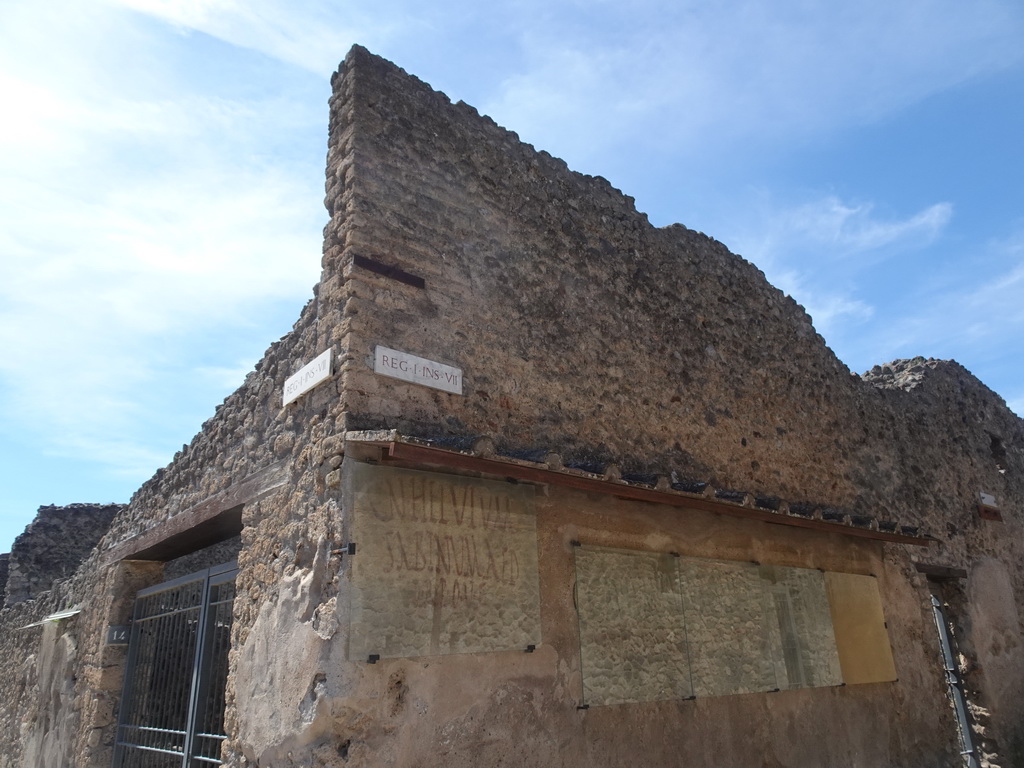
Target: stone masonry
(54, 545)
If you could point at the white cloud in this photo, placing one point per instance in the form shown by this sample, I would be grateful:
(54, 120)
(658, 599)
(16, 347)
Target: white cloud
(827, 253)
(137, 219)
(313, 35)
(995, 303)
(846, 228)
(825, 233)
(105, 315)
(976, 317)
(32, 113)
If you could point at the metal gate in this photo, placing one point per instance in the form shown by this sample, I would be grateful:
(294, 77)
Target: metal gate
(172, 708)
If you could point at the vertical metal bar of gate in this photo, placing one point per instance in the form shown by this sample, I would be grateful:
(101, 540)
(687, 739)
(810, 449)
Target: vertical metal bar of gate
(152, 725)
(955, 686)
(206, 714)
(196, 673)
(179, 638)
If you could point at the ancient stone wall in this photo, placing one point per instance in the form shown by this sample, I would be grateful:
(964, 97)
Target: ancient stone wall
(956, 438)
(40, 721)
(53, 546)
(584, 331)
(5, 569)
(249, 431)
(20, 648)
(579, 327)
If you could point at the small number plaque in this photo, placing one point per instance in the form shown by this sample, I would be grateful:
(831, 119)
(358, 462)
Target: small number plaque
(118, 635)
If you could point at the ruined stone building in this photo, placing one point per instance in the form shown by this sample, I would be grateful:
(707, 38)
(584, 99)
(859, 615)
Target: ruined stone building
(534, 483)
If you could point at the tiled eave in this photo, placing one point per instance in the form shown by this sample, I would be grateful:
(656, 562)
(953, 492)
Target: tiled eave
(398, 448)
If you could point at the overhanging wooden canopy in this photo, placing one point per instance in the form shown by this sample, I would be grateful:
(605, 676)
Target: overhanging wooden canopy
(397, 448)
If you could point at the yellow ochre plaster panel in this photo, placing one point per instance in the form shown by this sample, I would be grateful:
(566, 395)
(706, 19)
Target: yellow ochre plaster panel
(861, 637)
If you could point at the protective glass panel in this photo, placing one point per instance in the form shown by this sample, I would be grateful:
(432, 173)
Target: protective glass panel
(632, 643)
(655, 626)
(443, 564)
(800, 628)
(727, 627)
(862, 641)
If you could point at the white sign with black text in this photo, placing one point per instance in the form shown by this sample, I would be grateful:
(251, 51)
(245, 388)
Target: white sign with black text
(307, 377)
(417, 370)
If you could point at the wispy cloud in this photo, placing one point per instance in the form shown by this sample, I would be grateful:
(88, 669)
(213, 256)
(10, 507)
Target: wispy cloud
(973, 313)
(699, 77)
(1016, 405)
(975, 316)
(885, 287)
(114, 294)
(135, 220)
(689, 77)
(819, 250)
(313, 35)
(828, 229)
(854, 229)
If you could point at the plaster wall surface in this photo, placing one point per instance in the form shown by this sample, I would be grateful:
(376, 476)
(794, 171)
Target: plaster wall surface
(19, 677)
(51, 740)
(513, 708)
(991, 613)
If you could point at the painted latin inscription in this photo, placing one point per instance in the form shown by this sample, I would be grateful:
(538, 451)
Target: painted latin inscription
(446, 564)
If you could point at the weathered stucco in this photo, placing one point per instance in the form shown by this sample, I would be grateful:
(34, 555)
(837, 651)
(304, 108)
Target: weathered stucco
(304, 704)
(586, 337)
(50, 740)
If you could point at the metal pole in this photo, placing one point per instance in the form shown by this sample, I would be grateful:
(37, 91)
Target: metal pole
(955, 685)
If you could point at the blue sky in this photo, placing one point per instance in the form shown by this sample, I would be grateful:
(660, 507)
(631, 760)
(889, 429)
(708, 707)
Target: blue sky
(161, 182)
